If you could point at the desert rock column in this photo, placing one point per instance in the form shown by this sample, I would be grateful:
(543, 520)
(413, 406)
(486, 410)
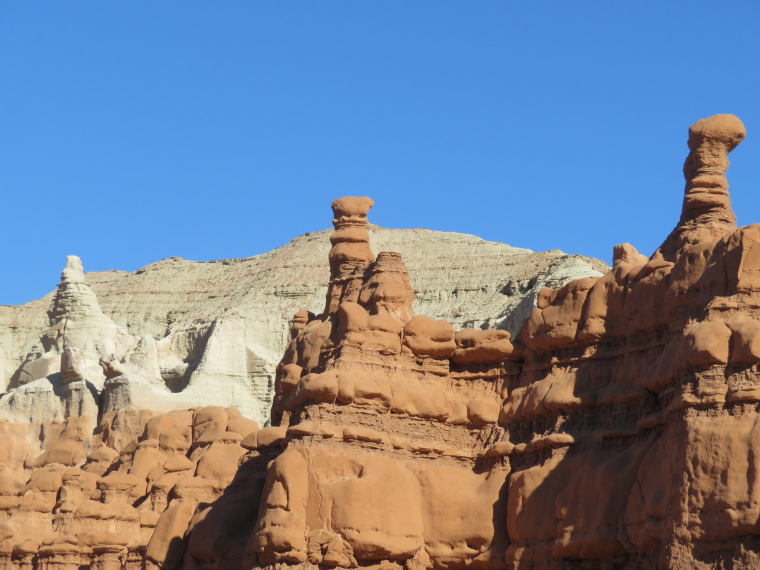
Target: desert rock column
(350, 254)
(706, 215)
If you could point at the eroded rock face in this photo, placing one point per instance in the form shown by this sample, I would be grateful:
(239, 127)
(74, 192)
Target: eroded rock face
(123, 493)
(84, 363)
(616, 430)
(179, 333)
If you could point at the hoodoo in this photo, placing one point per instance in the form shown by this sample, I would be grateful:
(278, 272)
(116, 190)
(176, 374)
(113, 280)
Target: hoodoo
(706, 213)
(617, 429)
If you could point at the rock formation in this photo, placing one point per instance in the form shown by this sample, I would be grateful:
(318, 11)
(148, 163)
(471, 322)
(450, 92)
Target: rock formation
(617, 429)
(180, 333)
(86, 364)
(125, 495)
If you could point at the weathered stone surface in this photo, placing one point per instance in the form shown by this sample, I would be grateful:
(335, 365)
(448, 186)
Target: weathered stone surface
(615, 430)
(179, 333)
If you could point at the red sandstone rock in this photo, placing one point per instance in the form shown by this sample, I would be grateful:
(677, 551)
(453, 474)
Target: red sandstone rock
(617, 430)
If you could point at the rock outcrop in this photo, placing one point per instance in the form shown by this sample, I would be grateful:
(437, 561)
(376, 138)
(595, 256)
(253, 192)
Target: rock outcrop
(122, 492)
(86, 365)
(617, 429)
(179, 333)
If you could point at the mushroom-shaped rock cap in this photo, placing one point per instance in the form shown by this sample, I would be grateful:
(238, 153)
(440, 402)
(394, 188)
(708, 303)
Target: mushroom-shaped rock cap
(73, 474)
(352, 206)
(122, 481)
(103, 539)
(178, 463)
(103, 453)
(148, 443)
(64, 547)
(727, 129)
(194, 487)
(60, 544)
(74, 271)
(30, 546)
(229, 437)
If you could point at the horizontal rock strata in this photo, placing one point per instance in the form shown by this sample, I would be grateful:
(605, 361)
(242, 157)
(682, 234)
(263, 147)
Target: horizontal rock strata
(615, 430)
(179, 333)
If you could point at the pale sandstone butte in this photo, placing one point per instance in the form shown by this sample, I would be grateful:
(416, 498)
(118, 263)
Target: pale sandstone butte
(617, 430)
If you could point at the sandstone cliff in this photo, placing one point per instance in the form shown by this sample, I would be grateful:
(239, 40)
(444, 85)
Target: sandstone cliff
(616, 430)
(212, 332)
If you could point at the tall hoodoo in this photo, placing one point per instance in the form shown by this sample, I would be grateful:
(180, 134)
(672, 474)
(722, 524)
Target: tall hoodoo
(350, 254)
(706, 214)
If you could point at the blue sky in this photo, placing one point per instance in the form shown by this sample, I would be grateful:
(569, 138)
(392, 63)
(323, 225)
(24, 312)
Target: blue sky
(135, 131)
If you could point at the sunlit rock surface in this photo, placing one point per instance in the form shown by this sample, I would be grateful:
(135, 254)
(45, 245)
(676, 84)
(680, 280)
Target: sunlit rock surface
(181, 333)
(616, 429)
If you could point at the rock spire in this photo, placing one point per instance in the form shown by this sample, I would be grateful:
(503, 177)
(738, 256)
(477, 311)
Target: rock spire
(706, 214)
(350, 253)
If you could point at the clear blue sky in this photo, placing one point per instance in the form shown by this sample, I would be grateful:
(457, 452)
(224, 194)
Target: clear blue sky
(134, 131)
